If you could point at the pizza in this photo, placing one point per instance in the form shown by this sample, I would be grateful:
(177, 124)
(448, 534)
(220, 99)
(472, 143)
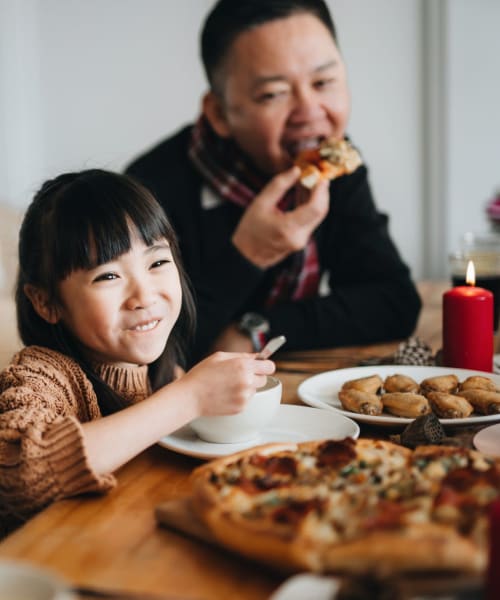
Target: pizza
(346, 506)
(331, 159)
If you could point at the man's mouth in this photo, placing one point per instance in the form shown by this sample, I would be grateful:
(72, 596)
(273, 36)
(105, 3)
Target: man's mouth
(146, 326)
(294, 147)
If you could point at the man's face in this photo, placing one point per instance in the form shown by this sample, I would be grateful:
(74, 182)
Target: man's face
(284, 88)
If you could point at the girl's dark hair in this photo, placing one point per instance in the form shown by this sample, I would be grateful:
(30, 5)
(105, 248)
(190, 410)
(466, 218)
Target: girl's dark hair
(229, 18)
(78, 221)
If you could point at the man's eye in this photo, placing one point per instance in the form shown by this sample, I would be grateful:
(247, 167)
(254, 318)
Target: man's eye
(106, 277)
(267, 97)
(322, 83)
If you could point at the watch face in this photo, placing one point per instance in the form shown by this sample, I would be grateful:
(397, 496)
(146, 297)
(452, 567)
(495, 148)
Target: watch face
(254, 321)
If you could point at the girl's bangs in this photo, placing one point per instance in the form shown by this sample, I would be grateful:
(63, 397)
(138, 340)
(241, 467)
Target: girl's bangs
(96, 228)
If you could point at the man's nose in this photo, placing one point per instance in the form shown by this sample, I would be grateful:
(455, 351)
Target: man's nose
(306, 106)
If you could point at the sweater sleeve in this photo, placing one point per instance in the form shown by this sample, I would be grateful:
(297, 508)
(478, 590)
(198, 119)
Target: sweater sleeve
(42, 453)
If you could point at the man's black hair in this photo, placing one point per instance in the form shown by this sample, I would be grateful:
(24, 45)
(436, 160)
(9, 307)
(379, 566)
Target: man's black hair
(230, 18)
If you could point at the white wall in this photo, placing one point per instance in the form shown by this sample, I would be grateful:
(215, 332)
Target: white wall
(474, 114)
(91, 83)
(94, 82)
(380, 43)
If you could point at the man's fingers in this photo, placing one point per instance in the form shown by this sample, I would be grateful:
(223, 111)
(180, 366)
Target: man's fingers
(278, 186)
(315, 209)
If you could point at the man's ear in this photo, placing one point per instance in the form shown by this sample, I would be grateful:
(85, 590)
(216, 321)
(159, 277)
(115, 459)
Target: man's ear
(215, 113)
(39, 299)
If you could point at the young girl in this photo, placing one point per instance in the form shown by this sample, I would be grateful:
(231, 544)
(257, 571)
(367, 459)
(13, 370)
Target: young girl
(103, 308)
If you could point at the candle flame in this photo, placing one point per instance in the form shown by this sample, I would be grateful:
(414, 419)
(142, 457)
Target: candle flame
(470, 276)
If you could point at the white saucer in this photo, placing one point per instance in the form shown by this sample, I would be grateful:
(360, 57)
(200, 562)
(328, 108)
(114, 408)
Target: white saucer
(307, 585)
(487, 440)
(291, 424)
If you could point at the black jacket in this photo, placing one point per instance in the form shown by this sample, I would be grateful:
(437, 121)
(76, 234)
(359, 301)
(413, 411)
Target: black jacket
(372, 297)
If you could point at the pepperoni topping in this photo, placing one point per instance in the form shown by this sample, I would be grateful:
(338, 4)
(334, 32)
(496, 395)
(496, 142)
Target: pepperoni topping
(389, 515)
(464, 479)
(295, 511)
(282, 465)
(311, 156)
(259, 484)
(451, 497)
(336, 454)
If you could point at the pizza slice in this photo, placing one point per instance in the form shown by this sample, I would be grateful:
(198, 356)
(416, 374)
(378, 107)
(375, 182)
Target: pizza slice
(331, 159)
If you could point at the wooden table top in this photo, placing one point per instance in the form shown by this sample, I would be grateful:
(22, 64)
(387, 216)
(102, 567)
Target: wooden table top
(113, 541)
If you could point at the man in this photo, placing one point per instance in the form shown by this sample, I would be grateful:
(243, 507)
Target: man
(265, 255)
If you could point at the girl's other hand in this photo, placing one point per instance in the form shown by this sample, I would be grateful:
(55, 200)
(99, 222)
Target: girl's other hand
(223, 383)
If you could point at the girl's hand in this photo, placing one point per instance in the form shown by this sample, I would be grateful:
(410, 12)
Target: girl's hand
(223, 383)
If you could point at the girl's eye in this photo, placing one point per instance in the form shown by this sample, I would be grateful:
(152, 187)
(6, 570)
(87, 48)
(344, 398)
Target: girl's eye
(106, 277)
(160, 263)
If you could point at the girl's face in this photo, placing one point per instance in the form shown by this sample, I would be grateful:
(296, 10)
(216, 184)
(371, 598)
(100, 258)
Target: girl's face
(122, 312)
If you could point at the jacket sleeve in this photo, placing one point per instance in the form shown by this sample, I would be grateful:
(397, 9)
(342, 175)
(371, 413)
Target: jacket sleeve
(371, 296)
(42, 454)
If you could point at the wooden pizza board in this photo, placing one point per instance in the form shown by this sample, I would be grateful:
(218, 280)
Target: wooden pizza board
(177, 514)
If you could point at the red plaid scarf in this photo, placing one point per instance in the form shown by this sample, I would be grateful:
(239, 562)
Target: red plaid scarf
(228, 172)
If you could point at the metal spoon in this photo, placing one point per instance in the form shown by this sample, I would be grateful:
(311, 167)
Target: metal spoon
(271, 347)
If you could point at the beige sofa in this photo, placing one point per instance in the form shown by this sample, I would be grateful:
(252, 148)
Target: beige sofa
(10, 220)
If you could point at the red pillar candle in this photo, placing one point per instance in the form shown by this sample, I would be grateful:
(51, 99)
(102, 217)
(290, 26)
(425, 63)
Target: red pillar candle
(468, 326)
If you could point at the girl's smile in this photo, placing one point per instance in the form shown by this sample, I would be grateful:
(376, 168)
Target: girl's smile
(146, 326)
(122, 312)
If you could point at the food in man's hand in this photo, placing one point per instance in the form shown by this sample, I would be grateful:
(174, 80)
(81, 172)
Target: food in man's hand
(449, 406)
(371, 384)
(477, 382)
(406, 404)
(351, 506)
(361, 402)
(441, 383)
(331, 159)
(483, 401)
(400, 383)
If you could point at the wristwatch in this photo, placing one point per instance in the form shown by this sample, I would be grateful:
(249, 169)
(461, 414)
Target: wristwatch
(256, 327)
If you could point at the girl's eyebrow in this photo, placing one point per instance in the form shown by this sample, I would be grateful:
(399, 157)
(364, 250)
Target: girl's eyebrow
(158, 246)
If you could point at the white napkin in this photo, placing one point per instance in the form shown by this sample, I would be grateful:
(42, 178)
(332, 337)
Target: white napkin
(307, 586)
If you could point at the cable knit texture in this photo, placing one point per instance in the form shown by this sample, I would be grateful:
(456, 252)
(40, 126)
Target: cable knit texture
(44, 398)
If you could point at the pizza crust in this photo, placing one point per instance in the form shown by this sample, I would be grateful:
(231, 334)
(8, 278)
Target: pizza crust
(420, 547)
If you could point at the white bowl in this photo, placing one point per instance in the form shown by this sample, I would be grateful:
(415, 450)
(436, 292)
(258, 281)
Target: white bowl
(246, 425)
(22, 581)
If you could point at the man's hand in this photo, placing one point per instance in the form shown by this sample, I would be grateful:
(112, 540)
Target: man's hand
(266, 235)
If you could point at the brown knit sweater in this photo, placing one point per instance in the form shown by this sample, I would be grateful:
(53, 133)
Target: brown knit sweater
(44, 396)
